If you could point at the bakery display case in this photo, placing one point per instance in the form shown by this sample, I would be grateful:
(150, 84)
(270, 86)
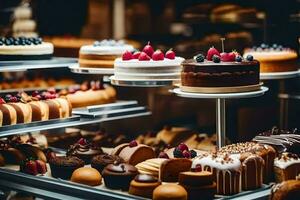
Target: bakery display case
(149, 100)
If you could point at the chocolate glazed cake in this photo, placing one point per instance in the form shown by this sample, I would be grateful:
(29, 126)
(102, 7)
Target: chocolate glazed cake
(222, 74)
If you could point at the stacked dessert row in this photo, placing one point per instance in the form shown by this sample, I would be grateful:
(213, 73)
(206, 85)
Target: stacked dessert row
(23, 108)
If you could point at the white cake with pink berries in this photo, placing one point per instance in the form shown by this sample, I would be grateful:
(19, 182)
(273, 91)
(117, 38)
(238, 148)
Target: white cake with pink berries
(148, 65)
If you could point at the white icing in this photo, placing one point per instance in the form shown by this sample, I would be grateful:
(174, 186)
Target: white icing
(105, 50)
(283, 164)
(40, 49)
(149, 63)
(274, 55)
(24, 25)
(23, 12)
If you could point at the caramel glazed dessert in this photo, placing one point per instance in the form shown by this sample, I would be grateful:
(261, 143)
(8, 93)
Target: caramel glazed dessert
(102, 53)
(220, 70)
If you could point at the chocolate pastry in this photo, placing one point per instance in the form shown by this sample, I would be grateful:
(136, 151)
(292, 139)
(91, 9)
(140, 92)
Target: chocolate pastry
(84, 150)
(10, 154)
(101, 161)
(143, 185)
(287, 190)
(119, 175)
(63, 167)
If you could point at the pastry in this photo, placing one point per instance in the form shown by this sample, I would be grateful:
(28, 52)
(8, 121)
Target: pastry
(148, 65)
(134, 153)
(182, 151)
(10, 154)
(40, 111)
(173, 135)
(63, 167)
(286, 167)
(24, 49)
(150, 166)
(143, 185)
(198, 184)
(119, 175)
(31, 151)
(84, 150)
(2, 160)
(287, 190)
(219, 70)
(226, 171)
(274, 58)
(170, 191)
(171, 168)
(66, 107)
(33, 167)
(8, 114)
(23, 110)
(87, 176)
(99, 162)
(102, 53)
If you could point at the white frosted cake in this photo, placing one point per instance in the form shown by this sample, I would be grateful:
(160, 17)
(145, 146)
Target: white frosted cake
(148, 65)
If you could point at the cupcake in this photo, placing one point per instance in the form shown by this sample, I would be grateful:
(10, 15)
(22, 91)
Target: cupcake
(101, 161)
(84, 150)
(63, 167)
(143, 185)
(119, 175)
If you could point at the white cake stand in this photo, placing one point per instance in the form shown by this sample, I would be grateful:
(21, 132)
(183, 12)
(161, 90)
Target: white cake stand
(142, 82)
(220, 106)
(279, 75)
(85, 70)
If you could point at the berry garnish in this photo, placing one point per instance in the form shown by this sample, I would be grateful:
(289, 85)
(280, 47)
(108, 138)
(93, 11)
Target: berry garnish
(239, 58)
(127, 55)
(177, 153)
(199, 58)
(144, 57)
(158, 55)
(193, 153)
(133, 143)
(82, 141)
(197, 168)
(30, 167)
(186, 154)
(2, 101)
(136, 55)
(7, 97)
(263, 46)
(170, 54)
(50, 155)
(227, 57)
(163, 155)
(13, 99)
(216, 59)
(249, 57)
(148, 50)
(183, 147)
(35, 93)
(52, 90)
(211, 52)
(41, 166)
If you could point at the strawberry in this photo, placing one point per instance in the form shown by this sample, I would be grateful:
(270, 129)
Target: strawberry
(127, 55)
(211, 52)
(227, 57)
(82, 141)
(41, 166)
(148, 50)
(31, 167)
(144, 57)
(170, 54)
(133, 143)
(158, 55)
(2, 101)
(136, 55)
(183, 147)
(186, 154)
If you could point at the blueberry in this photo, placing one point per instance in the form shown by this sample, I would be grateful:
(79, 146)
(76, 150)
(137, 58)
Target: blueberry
(2, 39)
(274, 46)
(249, 57)
(216, 59)
(28, 42)
(199, 58)
(177, 153)
(7, 97)
(280, 47)
(16, 42)
(263, 46)
(36, 42)
(239, 58)
(8, 42)
(1, 43)
(193, 153)
(254, 48)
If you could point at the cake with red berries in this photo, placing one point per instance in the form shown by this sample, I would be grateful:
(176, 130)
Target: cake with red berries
(24, 49)
(102, 54)
(148, 65)
(274, 58)
(218, 71)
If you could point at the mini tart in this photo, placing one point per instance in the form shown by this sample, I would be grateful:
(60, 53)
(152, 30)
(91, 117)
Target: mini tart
(40, 110)
(9, 114)
(24, 112)
(143, 185)
(119, 175)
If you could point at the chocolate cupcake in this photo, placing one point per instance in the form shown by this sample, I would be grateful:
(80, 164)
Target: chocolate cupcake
(63, 167)
(101, 161)
(84, 150)
(119, 175)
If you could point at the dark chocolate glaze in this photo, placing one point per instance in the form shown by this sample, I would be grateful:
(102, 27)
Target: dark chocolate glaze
(25, 57)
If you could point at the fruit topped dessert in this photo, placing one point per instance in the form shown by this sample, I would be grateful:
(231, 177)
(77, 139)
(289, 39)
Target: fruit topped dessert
(102, 54)
(23, 48)
(274, 58)
(218, 70)
(148, 65)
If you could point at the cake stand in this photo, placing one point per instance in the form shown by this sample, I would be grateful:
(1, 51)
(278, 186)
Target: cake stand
(279, 75)
(85, 70)
(220, 106)
(142, 82)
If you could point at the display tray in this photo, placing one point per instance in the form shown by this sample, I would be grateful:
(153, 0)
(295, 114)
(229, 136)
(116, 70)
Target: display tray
(23, 65)
(50, 184)
(210, 90)
(85, 70)
(16, 90)
(143, 83)
(279, 75)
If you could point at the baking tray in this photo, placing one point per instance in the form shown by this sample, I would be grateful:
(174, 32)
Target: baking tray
(23, 65)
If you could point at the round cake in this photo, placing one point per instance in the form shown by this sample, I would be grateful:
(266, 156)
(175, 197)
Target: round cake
(219, 70)
(102, 53)
(148, 65)
(274, 58)
(24, 49)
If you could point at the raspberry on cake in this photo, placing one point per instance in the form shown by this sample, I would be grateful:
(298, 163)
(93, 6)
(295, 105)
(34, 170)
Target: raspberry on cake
(102, 53)
(148, 65)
